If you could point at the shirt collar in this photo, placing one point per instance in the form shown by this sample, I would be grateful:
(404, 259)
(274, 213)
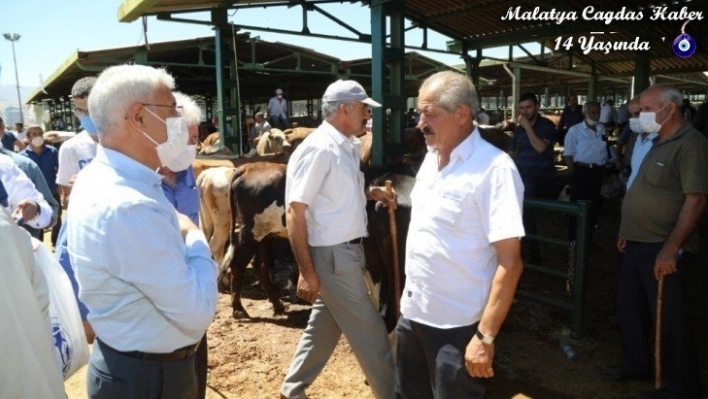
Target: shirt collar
(680, 132)
(337, 136)
(127, 166)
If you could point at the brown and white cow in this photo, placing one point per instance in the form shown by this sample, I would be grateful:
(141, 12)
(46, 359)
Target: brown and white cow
(258, 208)
(272, 142)
(215, 208)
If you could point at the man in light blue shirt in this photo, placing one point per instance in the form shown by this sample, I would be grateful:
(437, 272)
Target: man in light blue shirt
(145, 272)
(278, 111)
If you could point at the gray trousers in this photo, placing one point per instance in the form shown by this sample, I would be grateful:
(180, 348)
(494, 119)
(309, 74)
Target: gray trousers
(112, 375)
(343, 306)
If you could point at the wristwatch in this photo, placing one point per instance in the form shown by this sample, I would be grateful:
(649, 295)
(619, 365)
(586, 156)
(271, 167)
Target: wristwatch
(486, 339)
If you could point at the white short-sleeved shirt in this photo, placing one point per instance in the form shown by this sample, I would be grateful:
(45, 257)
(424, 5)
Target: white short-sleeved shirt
(323, 173)
(586, 145)
(74, 154)
(457, 213)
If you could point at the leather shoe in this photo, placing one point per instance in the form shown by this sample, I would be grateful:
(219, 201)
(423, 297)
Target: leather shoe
(620, 374)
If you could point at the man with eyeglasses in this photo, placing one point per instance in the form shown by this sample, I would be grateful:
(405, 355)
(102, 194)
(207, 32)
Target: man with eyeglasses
(145, 271)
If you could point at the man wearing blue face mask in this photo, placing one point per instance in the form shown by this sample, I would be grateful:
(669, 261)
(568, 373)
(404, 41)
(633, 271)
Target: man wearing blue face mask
(74, 154)
(145, 271)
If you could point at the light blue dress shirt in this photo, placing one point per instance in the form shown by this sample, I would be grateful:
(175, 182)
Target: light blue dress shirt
(146, 288)
(184, 196)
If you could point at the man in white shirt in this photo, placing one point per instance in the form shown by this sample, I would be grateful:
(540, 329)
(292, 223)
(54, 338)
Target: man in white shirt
(326, 221)
(25, 203)
(608, 115)
(585, 154)
(463, 256)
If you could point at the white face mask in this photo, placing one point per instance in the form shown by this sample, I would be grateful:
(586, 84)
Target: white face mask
(177, 139)
(648, 120)
(184, 160)
(635, 125)
(38, 141)
(590, 122)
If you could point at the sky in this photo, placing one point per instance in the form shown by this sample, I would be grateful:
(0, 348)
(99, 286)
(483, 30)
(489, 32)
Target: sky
(52, 30)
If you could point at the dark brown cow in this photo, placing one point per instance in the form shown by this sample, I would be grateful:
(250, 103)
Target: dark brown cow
(258, 208)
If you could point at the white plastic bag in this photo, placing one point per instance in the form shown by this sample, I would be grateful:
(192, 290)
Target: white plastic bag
(70, 345)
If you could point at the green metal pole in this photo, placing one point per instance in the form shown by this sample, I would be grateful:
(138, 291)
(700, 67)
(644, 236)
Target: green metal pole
(378, 46)
(581, 261)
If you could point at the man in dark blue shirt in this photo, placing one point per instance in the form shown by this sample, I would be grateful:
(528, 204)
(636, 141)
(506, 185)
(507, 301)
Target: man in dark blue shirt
(532, 150)
(8, 139)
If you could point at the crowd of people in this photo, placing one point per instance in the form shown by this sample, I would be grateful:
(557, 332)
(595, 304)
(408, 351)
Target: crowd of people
(146, 284)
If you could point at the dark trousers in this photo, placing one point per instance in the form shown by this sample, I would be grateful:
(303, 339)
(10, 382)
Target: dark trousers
(585, 184)
(201, 358)
(113, 375)
(636, 311)
(532, 190)
(430, 362)
(57, 226)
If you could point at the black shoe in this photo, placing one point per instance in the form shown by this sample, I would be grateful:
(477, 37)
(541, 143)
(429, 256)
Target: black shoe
(620, 374)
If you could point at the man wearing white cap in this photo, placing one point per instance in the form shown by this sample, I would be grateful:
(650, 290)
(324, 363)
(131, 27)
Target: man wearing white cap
(326, 221)
(278, 111)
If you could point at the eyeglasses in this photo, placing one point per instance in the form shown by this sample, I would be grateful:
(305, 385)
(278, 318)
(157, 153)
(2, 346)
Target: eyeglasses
(174, 106)
(80, 112)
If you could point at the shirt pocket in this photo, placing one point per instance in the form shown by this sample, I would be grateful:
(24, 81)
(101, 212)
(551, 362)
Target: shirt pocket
(448, 208)
(657, 173)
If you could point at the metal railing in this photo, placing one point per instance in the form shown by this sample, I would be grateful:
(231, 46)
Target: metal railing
(577, 262)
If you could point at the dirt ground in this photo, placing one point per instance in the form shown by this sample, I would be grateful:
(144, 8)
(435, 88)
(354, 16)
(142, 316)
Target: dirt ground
(248, 358)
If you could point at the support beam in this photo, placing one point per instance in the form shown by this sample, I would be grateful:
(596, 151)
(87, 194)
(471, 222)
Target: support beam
(378, 71)
(592, 84)
(219, 18)
(642, 67)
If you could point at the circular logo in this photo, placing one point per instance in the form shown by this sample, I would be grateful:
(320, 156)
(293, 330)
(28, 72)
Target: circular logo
(61, 343)
(684, 46)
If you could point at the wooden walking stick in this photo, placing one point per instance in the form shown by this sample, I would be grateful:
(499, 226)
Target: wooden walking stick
(394, 245)
(657, 335)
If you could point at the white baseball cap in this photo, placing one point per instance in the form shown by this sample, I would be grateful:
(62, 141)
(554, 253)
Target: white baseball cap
(348, 90)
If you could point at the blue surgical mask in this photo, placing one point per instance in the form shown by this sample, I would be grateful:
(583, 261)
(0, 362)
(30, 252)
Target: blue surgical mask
(87, 124)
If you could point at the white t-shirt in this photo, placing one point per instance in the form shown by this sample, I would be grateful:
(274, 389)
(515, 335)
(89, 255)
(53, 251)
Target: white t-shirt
(457, 213)
(323, 173)
(74, 154)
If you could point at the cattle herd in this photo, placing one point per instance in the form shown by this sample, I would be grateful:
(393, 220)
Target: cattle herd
(242, 209)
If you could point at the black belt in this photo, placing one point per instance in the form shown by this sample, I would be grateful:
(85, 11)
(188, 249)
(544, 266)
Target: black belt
(179, 354)
(588, 165)
(355, 241)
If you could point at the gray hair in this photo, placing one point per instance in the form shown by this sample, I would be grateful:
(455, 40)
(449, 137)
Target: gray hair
(119, 87)
(667, 93)
(454, 90)
(190, 110)
(588, 104)
(331, 109)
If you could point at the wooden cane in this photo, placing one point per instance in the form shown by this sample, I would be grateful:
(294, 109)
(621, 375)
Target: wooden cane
(394, 245)
(657, 335)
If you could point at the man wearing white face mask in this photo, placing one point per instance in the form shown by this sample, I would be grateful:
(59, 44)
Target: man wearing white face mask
(585, 155)
(658, 238)
(638, 142)
(145, 272)
(180, 188)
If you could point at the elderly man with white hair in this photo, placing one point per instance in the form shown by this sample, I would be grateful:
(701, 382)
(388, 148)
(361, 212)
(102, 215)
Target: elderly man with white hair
(145, 272)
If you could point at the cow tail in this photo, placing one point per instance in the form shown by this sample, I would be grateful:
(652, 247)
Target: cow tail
(224, 269)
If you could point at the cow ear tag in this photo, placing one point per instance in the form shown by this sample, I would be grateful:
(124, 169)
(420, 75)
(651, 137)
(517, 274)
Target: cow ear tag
(684, 45)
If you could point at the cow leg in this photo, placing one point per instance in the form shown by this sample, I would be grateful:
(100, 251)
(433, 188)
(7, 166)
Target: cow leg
(244, 254)
(262, 264)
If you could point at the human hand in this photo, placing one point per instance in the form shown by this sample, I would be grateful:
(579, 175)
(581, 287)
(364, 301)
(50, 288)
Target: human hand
(380, 194)
(666, 262)
(479, 358)
(523, 122)
(621, 243)
(185, 224)
(308, 288)
(88, 330)
(28, 209)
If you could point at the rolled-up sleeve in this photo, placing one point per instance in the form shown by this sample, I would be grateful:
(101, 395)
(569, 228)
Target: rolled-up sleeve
(19, 187)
